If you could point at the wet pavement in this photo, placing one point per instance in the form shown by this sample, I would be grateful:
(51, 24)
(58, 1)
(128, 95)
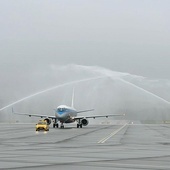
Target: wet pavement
(122, 146)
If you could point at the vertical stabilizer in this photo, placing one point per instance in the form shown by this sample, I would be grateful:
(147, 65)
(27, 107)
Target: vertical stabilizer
(72, 102)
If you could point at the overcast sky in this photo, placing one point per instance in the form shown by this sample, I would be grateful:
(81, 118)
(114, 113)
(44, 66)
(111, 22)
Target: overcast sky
(123, 35)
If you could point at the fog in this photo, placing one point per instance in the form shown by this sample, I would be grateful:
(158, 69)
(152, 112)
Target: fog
(47, 47)
(107, 91)
(127, 36)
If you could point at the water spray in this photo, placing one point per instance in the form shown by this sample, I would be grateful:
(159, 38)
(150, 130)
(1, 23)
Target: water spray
(104, 73)
(143, 90)
(118, 76)
(49, 89)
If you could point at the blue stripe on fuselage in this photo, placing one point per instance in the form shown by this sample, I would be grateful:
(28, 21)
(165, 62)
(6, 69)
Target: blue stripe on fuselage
(64, 111)
(61, 112)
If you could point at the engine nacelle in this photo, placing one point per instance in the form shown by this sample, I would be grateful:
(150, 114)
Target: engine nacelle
(48, 121)
(84, 122)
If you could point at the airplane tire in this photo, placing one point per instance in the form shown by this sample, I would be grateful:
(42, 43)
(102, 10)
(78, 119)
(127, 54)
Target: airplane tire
(53, 125)
(80, 125)
(77, 125)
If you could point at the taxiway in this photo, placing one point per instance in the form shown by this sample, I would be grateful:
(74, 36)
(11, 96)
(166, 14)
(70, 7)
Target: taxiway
(123, 146)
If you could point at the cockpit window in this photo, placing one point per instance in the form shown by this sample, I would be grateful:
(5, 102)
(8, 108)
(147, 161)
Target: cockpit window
(61, 109)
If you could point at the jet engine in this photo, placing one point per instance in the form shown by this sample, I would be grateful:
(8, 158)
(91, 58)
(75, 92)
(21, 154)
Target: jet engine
(48, 121)
(84, 122)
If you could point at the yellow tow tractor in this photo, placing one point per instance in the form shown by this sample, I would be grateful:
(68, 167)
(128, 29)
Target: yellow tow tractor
(42, 125)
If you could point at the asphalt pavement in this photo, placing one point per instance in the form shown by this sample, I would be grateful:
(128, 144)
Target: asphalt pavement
(122, 146)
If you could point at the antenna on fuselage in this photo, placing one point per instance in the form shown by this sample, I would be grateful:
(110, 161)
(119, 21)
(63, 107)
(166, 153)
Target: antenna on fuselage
(72, 102)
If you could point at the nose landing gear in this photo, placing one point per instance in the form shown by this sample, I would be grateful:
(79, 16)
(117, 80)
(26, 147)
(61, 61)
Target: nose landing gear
(62, 126)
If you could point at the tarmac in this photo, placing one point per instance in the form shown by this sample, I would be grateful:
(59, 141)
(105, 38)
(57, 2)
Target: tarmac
(123, 146)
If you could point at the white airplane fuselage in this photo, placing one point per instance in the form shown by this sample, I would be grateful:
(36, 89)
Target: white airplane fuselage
(65, 114)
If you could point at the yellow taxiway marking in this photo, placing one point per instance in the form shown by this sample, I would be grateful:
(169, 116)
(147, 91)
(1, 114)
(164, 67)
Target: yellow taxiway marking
(112, 134)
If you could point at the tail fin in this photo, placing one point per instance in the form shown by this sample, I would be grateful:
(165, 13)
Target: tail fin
(72, 102)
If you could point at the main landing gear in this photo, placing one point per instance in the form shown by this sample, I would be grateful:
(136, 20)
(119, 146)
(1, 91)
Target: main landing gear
(79, 125)
(56, 125)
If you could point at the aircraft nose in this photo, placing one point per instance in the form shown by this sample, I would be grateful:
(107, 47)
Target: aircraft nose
(59, 114)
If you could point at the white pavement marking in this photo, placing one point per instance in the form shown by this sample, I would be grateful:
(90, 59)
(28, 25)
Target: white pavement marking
(112, 134)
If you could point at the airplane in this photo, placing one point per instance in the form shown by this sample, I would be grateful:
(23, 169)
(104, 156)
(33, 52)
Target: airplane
(67, 114)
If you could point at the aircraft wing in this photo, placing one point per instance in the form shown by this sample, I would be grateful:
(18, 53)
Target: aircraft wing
(81, 111)
(34, 115)
(97, 116)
